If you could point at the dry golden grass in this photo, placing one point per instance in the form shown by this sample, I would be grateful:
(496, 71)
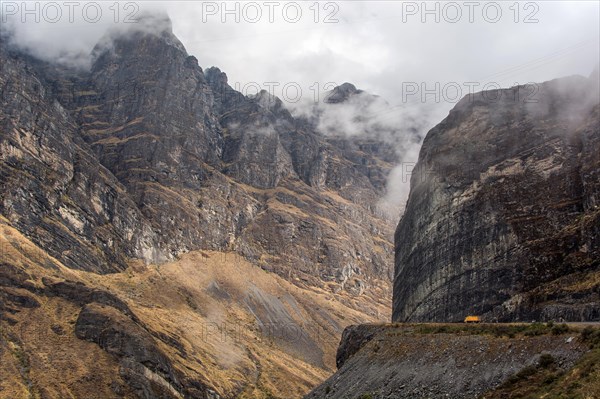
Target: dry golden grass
(211, 302)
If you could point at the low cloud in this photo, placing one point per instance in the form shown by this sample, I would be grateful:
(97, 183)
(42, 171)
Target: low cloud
(366, 116)
(66, 32)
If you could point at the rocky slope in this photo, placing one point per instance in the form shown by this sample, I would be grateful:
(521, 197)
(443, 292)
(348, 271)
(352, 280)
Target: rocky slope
(454, 361)
(503, 222)
(503, 216)
(145, 200)
(209, 325)
(53, 188)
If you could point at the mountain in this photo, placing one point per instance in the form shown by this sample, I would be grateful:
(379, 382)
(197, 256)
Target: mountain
(205, 167)
(342, 93)
(163, 235)
(502, 222)
(150, 213)
(503, 216)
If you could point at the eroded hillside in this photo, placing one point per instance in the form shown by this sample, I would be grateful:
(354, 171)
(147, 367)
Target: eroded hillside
(210, 321)
(145, 201)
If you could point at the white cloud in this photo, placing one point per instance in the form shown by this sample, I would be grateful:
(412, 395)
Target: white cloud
(370, 46)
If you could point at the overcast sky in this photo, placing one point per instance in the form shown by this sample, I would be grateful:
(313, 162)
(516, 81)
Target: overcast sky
(380, 46)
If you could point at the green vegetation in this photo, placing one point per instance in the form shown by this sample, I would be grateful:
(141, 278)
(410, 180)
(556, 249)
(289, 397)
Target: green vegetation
(560, 329)
(591, 336)
(546, 361)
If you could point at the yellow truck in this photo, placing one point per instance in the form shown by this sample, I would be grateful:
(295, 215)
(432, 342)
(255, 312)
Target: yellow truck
(472, 319)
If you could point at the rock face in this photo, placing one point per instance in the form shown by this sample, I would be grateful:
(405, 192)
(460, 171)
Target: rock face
(147, 370)
(146, 156)
(53, 187)
(503, 216)
(126, 190)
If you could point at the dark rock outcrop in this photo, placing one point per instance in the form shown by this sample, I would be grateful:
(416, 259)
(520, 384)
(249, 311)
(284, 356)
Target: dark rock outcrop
(353, 339)
(147, 369)
(502, 219)
(342, 93)
(82, 295)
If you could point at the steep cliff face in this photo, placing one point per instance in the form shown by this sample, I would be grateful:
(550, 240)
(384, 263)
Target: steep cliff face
(200, 165)
(502, 219)
(145, 199)
(53, 188)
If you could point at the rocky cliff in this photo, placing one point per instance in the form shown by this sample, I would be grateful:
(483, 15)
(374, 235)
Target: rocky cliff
(503, 216)
(146, 156)
(144, 202)
(503, 222)
(208, 325)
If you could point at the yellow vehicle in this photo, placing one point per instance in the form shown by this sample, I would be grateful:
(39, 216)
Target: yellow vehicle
(472, 319)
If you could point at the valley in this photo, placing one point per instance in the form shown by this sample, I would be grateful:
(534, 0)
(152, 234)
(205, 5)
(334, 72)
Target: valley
(164, 235)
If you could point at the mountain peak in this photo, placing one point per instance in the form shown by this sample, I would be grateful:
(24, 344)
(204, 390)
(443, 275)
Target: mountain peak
(342, 93)
(150, 25)
(214, 74)
(347, 86)
(155, 21)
